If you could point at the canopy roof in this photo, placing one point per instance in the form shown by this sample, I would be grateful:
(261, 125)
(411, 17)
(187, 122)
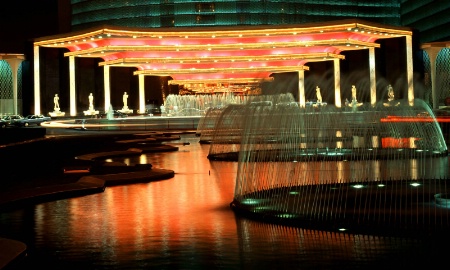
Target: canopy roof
(222, 54)
(7, 56)
(437, 44)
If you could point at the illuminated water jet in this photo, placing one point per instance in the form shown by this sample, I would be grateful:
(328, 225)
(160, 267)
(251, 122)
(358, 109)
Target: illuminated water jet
(337, 168)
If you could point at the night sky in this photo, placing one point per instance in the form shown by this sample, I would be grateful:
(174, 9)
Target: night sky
(23, 20)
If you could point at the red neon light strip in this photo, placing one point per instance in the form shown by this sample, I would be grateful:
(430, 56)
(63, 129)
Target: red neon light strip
(221, 65)
(288, 38)
(405, 119)
(218, 76)
(221, 53)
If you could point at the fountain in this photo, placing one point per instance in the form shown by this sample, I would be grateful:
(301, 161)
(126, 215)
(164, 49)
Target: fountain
(223, 125)
(197, 105)
(207, 124)
(364, 170)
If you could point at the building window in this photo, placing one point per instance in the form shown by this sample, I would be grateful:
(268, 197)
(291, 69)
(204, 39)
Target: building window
(243, 7)
(205, 19)
(167, 21)
(242, 19)
(167, 9)
(204, 7)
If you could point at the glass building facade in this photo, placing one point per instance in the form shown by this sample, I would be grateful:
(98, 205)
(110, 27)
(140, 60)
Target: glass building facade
(430, 18)
(181, 13)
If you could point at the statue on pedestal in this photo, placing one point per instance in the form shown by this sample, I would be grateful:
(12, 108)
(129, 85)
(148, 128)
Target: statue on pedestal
(354, 94)
(391, 97)
(91, 102)
(56, 109)
(56, 101)
(91, 110)
(125, 108)
(125, 101)
(319, 95)
(390, 93)
(354, 103)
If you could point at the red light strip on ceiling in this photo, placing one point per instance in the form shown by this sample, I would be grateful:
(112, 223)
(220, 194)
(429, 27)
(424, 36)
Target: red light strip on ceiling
(230, 54)
(218, 76)
(187, 42)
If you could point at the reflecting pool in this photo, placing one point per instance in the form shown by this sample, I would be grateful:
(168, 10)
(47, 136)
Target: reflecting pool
(186, 223)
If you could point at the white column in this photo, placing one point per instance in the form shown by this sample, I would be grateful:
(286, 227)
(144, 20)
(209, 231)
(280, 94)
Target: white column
(141, 94)
(301, 88)
(37, 81)
(14, 64)
(432, 54)
(409, 70)
(15, 68)
(337, 84)
(373, 81)
(107, 83)
(73, 108)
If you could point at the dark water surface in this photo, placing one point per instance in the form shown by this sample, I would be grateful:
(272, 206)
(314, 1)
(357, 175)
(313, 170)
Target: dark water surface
(186, 223)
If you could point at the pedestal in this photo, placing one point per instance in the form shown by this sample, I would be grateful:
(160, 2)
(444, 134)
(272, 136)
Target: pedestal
(126, 111)
(57, 114)
(91, 112)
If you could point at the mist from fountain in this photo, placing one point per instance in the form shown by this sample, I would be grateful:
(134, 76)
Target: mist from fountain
(350, 169)
(222, 126)
(197, 105)
(207, 124)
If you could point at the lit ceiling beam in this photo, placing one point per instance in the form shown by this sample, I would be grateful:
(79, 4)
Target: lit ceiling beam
(255, 81)
(351, 25)
(222, 76)
(238, 77)
(140, 61)
(220, 42)
(171, 72)
(341, 44)
(6, 56)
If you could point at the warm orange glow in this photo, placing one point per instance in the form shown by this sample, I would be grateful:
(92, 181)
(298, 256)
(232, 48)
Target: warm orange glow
(424, 119)
(225, 76)
(267, 48)
(203, 55)
(226, 40)
(131, 214)
(390, 142)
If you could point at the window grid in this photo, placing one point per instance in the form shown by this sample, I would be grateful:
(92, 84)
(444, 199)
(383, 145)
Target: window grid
(147, 14)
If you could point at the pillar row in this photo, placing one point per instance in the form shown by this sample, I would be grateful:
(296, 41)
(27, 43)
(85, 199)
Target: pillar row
(301, 88)
(107, 86)
(37, 81)
(72, 89)
(141, 94)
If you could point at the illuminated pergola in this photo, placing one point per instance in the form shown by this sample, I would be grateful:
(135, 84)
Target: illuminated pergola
(222, 54)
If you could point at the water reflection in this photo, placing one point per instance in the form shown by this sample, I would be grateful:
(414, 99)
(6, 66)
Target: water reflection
(186, 223)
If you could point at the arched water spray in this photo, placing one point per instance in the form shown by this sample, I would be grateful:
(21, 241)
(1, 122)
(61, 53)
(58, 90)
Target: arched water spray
(354, 169)
(223, 127)
(207, 124)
